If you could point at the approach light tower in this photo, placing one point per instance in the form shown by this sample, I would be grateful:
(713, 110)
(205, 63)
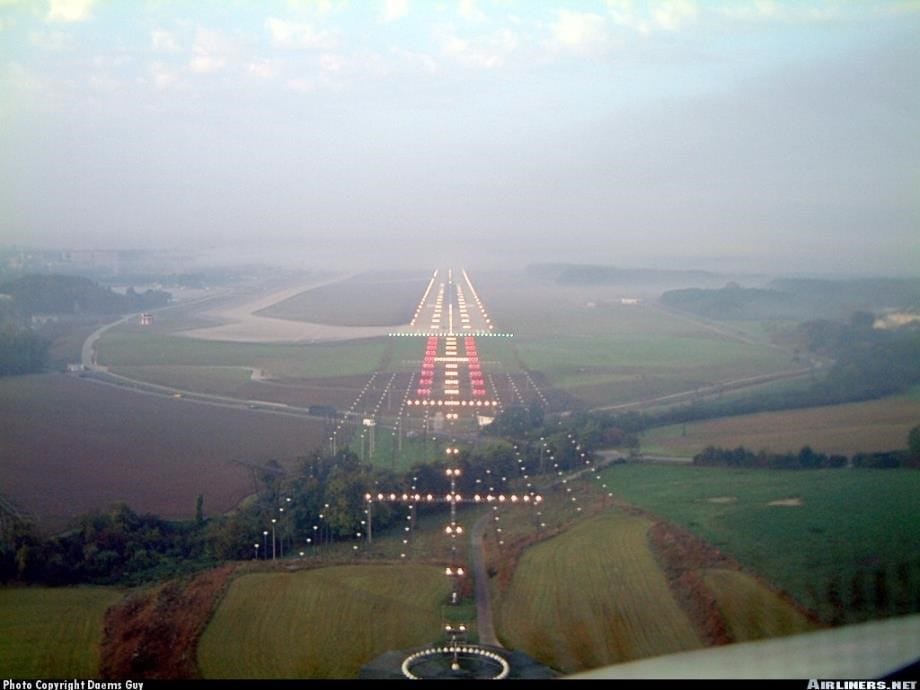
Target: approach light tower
(453, 530)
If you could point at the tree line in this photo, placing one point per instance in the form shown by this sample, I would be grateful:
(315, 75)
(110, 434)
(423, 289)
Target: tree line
(805, 459)
(63, 294)
(322, 498)
(22, 351)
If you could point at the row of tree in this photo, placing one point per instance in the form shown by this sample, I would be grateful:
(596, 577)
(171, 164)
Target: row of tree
(805, 459)
(62, 294)
(322, 497)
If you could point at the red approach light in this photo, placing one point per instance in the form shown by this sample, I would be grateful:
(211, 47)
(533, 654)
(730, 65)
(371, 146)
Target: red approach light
(424, 392)
(479, 392)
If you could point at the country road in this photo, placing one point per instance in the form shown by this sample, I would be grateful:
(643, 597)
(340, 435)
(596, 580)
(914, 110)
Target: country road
(484, 623)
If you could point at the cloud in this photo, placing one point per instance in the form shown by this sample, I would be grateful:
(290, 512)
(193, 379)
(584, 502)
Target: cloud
(319, 8)
(54, 41)
(21, 78)
(70, 10)
(483, 52)
(673, 14)
(298, 35)
(301, 85)
(163, 77)
(580, 32)
(415, 59)
(665, 15)
(211, 51)
(393, 10)
(470, 11)
(163, 41)
(770, 10)
(264, 69)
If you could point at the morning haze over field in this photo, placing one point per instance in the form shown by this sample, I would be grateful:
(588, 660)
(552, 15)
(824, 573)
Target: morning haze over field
(461, 338)
(778, 135)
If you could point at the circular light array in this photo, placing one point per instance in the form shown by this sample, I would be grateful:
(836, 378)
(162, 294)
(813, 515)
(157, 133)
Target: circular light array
(450, 651)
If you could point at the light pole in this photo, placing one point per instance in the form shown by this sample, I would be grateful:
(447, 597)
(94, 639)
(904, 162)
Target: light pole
(256, 557)
(273, 538)
(281, 541)
(264, 543)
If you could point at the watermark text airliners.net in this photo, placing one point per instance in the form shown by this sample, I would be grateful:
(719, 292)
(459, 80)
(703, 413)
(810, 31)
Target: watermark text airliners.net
(862, 685)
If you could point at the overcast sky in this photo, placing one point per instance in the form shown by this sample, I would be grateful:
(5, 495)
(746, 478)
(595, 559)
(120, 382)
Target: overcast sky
(747, 133)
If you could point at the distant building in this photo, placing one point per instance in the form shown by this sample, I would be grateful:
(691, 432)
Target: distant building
(629, 300)
(146, 319)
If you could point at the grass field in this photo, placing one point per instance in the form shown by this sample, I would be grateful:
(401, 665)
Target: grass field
(620, 368)
(875, 425)
(751, 611)
(388, 455)
(846, 546)
(589, 345)
(229, 381)
(126, 349)
(323, 623)
(74, 446)
(370, 299)
(592, 597)
(52, 633)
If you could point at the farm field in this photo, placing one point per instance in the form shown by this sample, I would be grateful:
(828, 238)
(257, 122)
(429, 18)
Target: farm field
(844, 543)
(619, 607)
(52, 632)
(875, 425)
(369, 299)
(72, 446)
(322, 623)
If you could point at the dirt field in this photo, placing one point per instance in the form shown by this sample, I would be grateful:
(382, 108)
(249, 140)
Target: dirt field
(68, 446)
(876, 425)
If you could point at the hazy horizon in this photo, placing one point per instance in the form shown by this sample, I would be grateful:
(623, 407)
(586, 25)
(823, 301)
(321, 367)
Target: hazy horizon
(760, 136)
